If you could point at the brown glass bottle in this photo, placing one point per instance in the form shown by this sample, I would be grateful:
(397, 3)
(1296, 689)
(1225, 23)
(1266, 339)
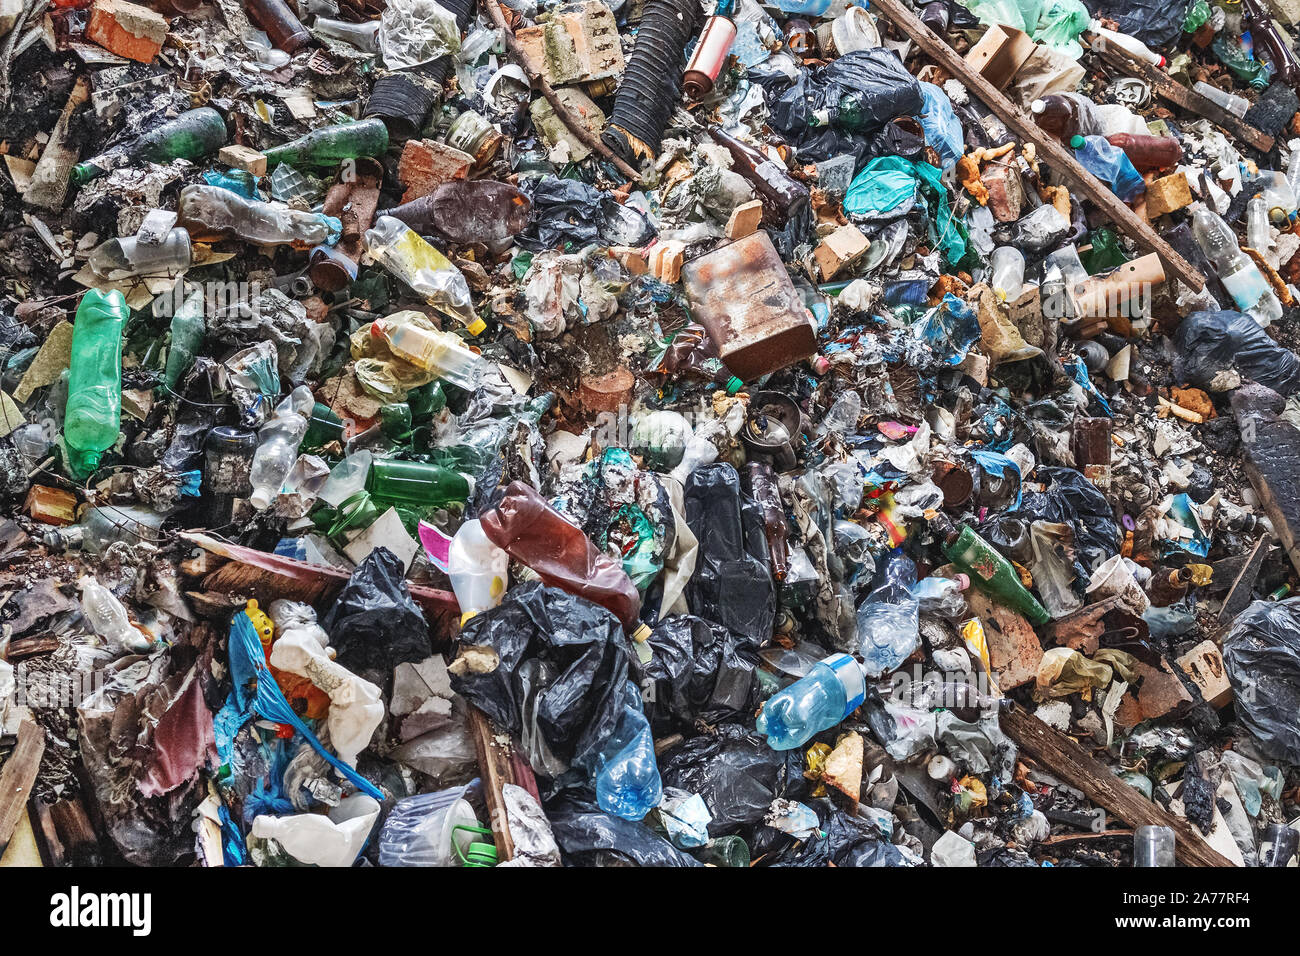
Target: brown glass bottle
(282, 26)
(1170, 584)
(1148, 152)
(762, 487)
(783, 195)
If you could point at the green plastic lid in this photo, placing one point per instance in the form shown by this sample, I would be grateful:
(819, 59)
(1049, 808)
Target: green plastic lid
(734, 385)
(1076, 141)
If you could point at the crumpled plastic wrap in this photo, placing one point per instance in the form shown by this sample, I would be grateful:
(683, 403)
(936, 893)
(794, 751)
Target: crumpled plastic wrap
(412, 32)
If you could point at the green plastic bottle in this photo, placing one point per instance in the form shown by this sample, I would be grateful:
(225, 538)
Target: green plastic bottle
(192, 135)
(93, 418)
(332, 144)
(418, 483)
(990, 571)
(187, 338)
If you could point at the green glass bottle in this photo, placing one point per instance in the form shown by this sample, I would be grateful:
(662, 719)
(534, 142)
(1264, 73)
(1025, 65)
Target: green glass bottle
(991, 572)
(187, 338)
(93, 417)
(332, 144)
(418, 483)
(323, 427)
(192, 135)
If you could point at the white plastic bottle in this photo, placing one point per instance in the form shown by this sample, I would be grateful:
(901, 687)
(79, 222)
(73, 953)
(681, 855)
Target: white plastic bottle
(108, 618)
(478, 570)
(277, 446)
(1131, 45)
(320, 840)
(1236, 270)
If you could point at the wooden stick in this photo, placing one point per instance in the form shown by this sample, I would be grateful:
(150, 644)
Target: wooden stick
(1066, 759)
(1167, 88)
(495, 767)
(1049, 148)
(563, 112)
(17, 777)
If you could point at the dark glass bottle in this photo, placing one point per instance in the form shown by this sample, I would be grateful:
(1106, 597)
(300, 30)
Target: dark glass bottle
(783, 195)
(282, 26)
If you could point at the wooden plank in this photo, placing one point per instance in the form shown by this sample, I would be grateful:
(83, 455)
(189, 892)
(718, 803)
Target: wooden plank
(1243, 587)
(1064, 758)
(1167, 88)
(17, 777)
(494, 764)
(1049, 148)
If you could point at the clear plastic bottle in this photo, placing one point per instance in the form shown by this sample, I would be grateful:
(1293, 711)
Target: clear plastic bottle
(1109, 164)
(842, 419)
(277, 446)
(439, 352)
(402, 251)
(1237, 105)
(1238, 273)
(120, 258)
(942, 596)
(108, 618)
(363, 36)
(888, 620)
(1257, 234)
(628, 784)
(834, 688)
(1007, 265)
(210, 212)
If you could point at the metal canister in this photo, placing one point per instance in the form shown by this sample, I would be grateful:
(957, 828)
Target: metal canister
(473, 134)
(709, 57)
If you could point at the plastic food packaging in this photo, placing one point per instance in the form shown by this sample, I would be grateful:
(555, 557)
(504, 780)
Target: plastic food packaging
(429, 829)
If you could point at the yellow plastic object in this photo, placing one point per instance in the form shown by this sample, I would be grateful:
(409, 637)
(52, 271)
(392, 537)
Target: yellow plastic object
(261, 624)
(972, 632)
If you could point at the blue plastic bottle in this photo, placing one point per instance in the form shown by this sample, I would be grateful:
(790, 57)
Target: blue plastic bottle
(1109, 164)
(833, 689)
(627, 781)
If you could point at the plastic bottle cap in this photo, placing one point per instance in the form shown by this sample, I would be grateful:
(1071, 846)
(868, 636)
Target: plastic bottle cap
(1162, 62)
(963, 581)
(1076, 141)
(466, 616)
(476, 327)
(641, 634)
(734, 385)
(1037, 106)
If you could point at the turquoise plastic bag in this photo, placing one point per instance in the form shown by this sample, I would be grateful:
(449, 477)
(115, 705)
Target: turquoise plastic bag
(889, 183)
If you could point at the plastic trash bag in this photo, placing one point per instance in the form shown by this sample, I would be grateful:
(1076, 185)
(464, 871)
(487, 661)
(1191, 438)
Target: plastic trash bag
(1070, 498)
(566, 210)
(589, 837)
(578, 705)
(1262, 655)
(943, 130)
(1209, 346)
(412, 32)
(732, 585)
(374, 623)
(887, 187)
(1154, 22)
(888, 620)
(736, 773)
(699, 670)
(849, 841)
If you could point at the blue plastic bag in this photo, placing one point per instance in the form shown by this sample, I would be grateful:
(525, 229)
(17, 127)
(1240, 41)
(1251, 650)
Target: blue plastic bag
(943, 130)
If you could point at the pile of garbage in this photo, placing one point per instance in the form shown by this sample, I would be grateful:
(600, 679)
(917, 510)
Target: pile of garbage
(650, 432)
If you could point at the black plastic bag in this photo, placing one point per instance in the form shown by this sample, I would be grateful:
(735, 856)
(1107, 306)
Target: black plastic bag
(1154, 22)
(732, 584)
(867, 88)
(576, 690)
(1262, 656)
(1070, 498)
(587, 836)
(846, 841)
(569, 211)
(1207, 343)
(374, 623)
(736, 773)
(700, 671)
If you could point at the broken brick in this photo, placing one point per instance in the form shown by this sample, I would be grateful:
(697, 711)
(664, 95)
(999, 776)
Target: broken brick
(425, 165)
(127, 29)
